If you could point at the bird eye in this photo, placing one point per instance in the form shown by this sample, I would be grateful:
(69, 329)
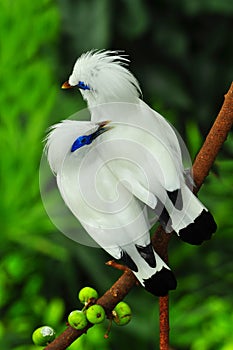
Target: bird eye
(83, 140)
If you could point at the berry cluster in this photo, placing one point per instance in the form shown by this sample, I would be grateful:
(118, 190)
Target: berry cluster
(91, 312)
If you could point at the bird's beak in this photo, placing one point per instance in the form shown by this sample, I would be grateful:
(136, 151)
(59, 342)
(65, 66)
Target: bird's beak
(102, 128)
(66, 85)
(104, 123)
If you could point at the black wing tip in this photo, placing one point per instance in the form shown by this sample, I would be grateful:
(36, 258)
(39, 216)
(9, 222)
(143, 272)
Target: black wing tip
(147, 254)
(200, 230)
(161, 282)
(176, 198)
(127, 260)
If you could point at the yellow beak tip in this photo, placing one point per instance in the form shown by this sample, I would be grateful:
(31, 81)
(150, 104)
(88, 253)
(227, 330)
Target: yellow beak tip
(66, 85)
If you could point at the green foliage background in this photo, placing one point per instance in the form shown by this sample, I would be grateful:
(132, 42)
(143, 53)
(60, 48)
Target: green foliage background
(181, 53)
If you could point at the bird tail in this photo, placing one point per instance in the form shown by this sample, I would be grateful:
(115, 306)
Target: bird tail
(151, 271)
(191, 220)
(200, 230)
(160, 283)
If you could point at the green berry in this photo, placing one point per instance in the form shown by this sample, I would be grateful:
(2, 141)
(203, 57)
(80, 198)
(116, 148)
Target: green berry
(95, 314)
(43, 335)
(77, 319)
(86, 294)
(122, 314)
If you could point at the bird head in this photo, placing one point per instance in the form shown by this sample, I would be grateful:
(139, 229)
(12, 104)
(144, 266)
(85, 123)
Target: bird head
(69, 136)
(102, 77)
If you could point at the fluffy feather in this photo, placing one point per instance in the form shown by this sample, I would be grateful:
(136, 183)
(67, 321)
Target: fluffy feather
(60, 139)
(106, 74)
(139, 161)
(103, 204)
(113, 76)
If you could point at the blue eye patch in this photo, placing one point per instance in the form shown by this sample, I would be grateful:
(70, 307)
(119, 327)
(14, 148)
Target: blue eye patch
(81, 141)
(83, 86)
(87, 139)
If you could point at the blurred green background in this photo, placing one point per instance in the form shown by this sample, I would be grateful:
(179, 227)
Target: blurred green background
(181, 52)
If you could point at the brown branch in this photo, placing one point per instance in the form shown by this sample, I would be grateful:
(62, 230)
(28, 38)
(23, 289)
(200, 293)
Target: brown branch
(109, 300)
(214, 141)
(164, 323)
(125, 283)
(117, 266)
(201, 167)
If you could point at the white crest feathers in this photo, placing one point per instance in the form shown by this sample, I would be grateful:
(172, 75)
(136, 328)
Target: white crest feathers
(106, 74)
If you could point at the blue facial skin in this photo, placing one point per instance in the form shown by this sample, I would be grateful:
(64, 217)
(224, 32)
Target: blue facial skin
(83, 86)
(87, 139)
(81, 141)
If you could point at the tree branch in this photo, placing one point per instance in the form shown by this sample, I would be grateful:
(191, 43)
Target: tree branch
(214, 141)
(123, 285)
(201, 167)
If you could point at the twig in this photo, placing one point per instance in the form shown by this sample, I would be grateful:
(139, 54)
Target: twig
(201, 167)
(123, 285)
(109, 300)
(160, 242)
(116, 265)
(214, 141)
(164, 323)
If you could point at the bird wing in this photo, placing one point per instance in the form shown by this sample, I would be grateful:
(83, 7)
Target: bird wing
(142, 116)
(141, 161)
(112, 216)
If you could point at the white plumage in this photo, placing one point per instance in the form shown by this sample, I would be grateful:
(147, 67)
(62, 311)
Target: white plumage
(112, 175)
(105, 73)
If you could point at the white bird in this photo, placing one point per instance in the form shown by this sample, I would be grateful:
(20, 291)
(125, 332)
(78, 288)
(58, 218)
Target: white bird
(112, 175)
(103, 192)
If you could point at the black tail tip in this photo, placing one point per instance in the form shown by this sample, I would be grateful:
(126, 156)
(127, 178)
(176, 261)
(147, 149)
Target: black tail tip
(200, 230)
(161, 282)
